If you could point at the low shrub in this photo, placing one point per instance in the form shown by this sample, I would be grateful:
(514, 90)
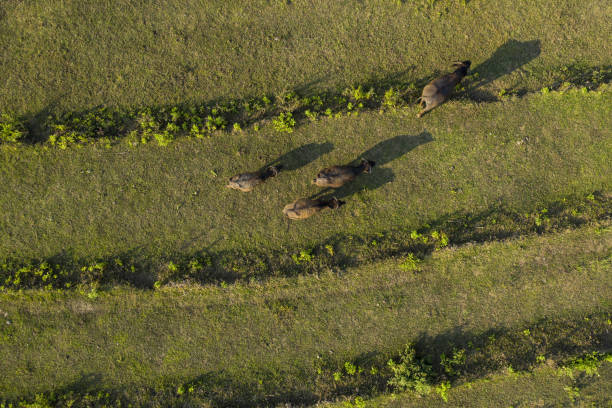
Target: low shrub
(452, 364)
(284, 122)
(11, 130)
(410, 373)
(588, 363)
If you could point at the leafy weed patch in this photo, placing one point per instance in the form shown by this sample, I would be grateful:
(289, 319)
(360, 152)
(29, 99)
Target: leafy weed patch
(163, 124)
(424, 366)
(11, 130)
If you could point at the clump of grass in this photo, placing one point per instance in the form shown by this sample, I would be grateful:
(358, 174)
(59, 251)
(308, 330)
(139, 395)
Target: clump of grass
(441, 238)
(349, 369)
(62, 137)
(358, 402)
(42, 274)
(581, 75)
(442, 390)
(139, 126)
(392, 98)
(163, 138)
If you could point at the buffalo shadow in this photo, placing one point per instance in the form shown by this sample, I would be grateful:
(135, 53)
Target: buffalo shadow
(301, 156)
(508, 57)
(382, 153)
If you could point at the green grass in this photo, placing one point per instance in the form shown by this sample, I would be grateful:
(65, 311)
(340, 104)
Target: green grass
(484, 230)
(250, 343)
(540, 387)
(154, 204)
(74, 55)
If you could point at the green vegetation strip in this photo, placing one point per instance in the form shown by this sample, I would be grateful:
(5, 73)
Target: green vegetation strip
(545, 385)
(164, 124)
(339, 251)
(485, 307)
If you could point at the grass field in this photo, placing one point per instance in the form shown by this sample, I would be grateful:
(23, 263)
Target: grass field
(482, 241)
(265, 342)
(155, 204)
(74, 54)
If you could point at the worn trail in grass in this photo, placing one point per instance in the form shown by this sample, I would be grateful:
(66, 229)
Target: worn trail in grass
(245, 342)
(154, 203)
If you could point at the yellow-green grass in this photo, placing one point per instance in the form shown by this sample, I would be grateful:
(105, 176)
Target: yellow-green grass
(281, 341)
(152, 203)
(75, 54)
(341, 287)
(544, 386)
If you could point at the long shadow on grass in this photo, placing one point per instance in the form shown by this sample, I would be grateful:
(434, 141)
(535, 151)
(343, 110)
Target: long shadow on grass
(506, 59)
(36, 123)
(342, 250)
(470, 355)
(453, 355)
(85, 384)
(301, 156)
(382, 153)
